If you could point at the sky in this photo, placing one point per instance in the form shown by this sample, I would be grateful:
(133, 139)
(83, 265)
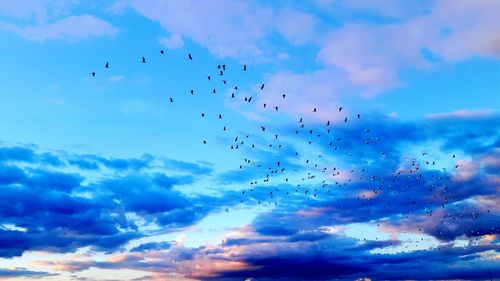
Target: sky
(249, 140)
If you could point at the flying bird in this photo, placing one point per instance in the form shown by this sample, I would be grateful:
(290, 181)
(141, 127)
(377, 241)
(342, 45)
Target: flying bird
(190, 56)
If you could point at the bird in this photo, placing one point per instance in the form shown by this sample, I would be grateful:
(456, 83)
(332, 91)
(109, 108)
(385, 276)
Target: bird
(284, 95)
(93, 74)
(171, 100)
(340, 109)
(190, 56)
(262, 87)
(244, 67)
(143, 60)
(314, 110)
(162, 52)
(107, 65)
(192, 92)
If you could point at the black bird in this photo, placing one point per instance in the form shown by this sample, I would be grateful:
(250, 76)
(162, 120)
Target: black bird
(220, 116)
(264, 105)
(203, 115)
(209, 77)
(314, 110)
(262, 87)
(107, 65)
(192, 92)
(224, 67)
(276, 108)
(143, 60)
(162, 52)
(340, 109)
(190, 57)
(345, 120)
(359, 116)
(93, 74)
(232, 95)
(284, 95)
(244, 67)
(171, 100)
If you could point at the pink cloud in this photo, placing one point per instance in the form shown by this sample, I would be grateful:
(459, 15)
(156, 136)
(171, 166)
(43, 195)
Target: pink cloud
(373, 54)
(296, 26)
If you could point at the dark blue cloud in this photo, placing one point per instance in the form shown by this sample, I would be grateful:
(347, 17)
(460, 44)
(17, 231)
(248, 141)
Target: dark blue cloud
(48, 209)
(151, 246)
(192, 168)
(16, 154)
(23, 272)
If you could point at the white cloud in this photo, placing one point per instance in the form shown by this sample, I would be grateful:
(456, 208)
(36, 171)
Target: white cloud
(72, 28)
(175, 41)
(116, 78)
(227, 28)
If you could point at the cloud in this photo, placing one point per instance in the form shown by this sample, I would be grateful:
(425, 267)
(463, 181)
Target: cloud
(373, 54)
(72, 28)
(296, 26)
(230, 29)
(413, 194)
(23, 272)
(45, 207)
(151, 246)
(464, 113)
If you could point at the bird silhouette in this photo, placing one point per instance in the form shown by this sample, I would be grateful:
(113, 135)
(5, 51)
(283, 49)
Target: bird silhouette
(190, 56)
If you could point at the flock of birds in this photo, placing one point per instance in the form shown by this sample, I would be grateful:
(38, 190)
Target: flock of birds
(394, 192)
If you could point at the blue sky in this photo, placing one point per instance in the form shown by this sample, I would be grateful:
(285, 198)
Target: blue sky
(103, 178)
